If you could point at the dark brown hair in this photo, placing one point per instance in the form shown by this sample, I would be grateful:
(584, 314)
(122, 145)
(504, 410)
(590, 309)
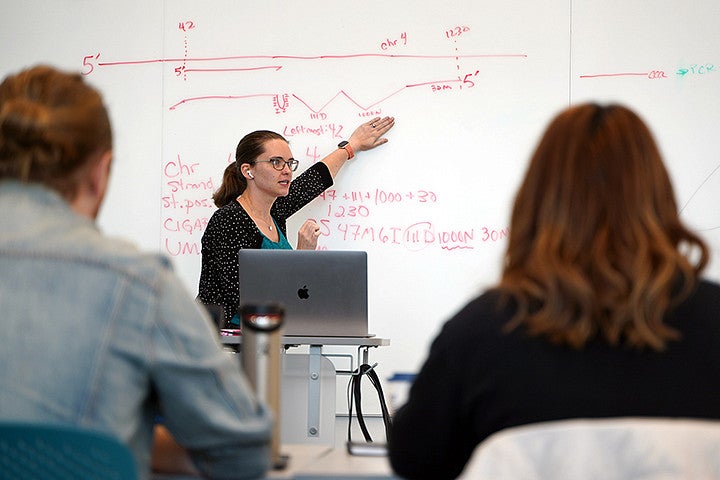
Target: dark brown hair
(51, 125)
(250, 147)
(595, 236)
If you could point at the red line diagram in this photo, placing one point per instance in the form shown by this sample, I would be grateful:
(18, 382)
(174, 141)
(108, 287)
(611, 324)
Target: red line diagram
(303, 57)
(652, 74)
(626, 74)
(465, 80)
(687, 70)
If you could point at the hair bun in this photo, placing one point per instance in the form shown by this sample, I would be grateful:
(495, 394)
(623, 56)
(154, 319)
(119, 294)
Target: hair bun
(23, 121)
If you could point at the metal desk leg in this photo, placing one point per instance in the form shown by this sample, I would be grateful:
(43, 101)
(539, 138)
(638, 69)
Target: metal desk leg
(363, 354)
(313, 415)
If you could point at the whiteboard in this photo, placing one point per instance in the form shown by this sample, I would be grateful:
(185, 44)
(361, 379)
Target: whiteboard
(471, 84)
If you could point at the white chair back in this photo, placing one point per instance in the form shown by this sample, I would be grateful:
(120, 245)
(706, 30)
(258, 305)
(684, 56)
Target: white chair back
(606, 449)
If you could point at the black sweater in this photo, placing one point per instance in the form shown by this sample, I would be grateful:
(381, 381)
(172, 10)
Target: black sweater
(478, 380)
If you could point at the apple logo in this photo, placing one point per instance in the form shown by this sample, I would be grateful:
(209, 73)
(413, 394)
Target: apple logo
(303, 292)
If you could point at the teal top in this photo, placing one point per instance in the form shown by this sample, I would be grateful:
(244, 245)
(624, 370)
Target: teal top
(267, 244)
(281, 244)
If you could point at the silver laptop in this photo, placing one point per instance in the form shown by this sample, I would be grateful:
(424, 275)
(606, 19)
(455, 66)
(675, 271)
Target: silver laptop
(323, 292)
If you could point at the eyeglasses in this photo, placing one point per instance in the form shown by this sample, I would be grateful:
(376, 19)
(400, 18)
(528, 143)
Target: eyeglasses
(279, 163)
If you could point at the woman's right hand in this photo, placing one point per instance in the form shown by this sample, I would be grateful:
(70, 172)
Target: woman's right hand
(370, 134)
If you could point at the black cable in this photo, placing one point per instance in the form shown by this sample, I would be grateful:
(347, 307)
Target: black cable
(354, 393)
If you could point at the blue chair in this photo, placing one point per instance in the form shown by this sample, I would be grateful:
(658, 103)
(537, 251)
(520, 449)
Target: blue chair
(61, 452)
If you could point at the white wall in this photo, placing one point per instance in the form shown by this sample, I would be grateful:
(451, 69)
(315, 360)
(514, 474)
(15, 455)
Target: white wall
(185, 80)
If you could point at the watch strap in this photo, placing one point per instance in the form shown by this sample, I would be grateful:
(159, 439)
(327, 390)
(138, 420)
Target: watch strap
(348, 148)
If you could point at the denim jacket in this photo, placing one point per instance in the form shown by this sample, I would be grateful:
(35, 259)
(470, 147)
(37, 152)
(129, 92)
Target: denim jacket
(97, 334)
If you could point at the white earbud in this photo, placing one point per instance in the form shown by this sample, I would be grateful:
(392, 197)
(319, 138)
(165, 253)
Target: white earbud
(250, 174)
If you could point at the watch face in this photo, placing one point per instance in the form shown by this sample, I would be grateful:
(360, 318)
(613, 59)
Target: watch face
(342, 144)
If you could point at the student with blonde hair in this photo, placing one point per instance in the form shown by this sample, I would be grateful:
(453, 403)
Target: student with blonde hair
(96, 334)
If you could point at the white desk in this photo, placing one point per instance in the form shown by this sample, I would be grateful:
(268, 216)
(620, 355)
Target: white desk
(311, 462)
(315, 367)
(363, 343)
(315, 462)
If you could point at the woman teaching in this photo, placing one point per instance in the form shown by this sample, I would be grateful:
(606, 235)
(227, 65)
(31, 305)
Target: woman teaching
(258, 195)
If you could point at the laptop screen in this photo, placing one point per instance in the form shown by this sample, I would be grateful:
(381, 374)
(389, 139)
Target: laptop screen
(323, 292)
